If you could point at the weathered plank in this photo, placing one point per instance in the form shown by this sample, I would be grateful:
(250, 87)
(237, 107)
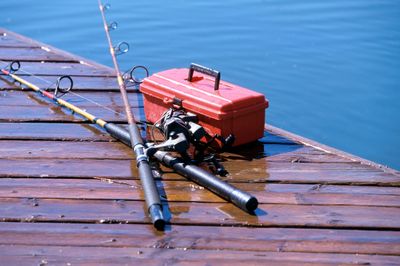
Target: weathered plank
(25, 98)
(81, 83)
(64, 255)
(186, 191)
(34, 54)
(355, 173)
(54, 113)
(49, 69)
(127, 187)
(305, 141)
(9, 41)
(17, 106)
(193, 237)
(275, 151)
(35, 43)
(98, 150)
(68, 132)
(193, 213)
(63, 150)
(333, 173)
(49, 131)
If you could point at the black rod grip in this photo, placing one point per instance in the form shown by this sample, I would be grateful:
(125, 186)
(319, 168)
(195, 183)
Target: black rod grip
(146, 177)
(118, 133)
(242, 199)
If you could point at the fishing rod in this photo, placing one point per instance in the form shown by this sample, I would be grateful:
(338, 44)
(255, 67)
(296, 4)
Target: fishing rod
(154, 206)
(241, 199)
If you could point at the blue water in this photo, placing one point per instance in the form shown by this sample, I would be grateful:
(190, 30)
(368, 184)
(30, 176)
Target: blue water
(331, 69)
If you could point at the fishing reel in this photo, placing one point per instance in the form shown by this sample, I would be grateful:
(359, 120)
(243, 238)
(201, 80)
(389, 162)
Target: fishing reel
(181, 131)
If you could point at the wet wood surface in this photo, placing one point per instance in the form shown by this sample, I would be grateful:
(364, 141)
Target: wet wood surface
(70, 194)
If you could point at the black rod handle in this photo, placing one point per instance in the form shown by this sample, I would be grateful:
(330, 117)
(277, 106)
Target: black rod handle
(242, 199)
(146, 177)
(205, 70)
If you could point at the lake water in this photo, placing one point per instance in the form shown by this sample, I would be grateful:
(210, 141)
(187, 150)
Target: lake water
(330, 69)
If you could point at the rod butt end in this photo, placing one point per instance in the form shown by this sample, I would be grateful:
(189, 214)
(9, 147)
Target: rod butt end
(157, 217)
(252, 204)
(244, 200)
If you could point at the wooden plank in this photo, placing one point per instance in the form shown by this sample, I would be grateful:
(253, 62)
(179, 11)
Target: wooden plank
(49, 131)
(54, 134)
(97, 150)
(282, 152)
(193, 213)
(18, 149)
(49, 69)
(53, 49)
(29, 106)
(8, 42)
(315, 173)
(54, 113)
(80, 83)
(328, 149)
(19, 98)
(77, 168)
(34, 54)
(64, 255)
(185, 191)
(126, 188)
(34, 131)
(202, 238)
(333, 173)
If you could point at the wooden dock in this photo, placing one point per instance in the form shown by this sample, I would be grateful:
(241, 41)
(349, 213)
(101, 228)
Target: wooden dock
(70, 194)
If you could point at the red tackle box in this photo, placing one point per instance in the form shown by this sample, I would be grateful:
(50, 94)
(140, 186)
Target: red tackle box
(222, 108)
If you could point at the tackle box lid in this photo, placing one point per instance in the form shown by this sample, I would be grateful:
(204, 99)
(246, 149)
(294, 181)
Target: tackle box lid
(200, 96)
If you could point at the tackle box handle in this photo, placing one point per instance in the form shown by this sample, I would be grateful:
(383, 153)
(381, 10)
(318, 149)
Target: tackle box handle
(205, 70)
